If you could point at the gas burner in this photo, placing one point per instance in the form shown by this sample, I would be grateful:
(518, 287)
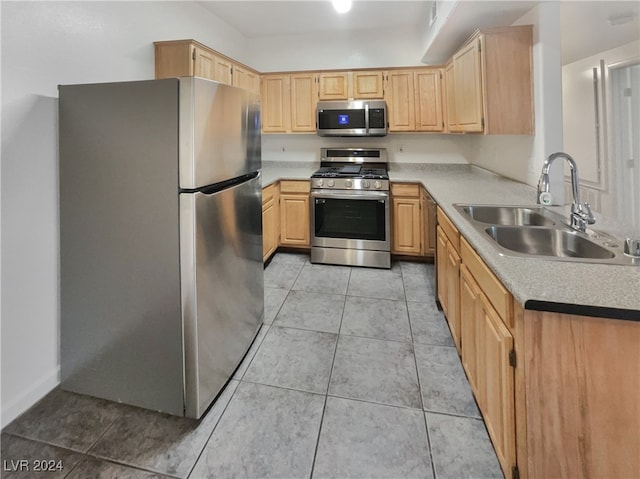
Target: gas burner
(352, 169)
(373, 173)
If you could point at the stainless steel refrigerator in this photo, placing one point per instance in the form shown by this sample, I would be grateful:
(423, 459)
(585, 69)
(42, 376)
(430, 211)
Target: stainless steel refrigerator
(161, 270)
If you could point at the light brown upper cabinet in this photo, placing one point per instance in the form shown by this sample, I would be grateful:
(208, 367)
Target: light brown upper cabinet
(414, 99)
(289, 102)
(304, 97)
(490, 83)
(428, 100)
(467, 87)
(276, 109)
(399, 94)
(367, 85)
(356, 85)
(450, 108)
(334, 86)
(190, 58)
(245, 78)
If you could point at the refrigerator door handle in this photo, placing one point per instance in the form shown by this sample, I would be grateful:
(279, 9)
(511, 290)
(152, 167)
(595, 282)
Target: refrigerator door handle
(223, 185)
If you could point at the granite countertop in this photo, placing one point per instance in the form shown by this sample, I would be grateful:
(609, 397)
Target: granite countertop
(273, 171)
(599, 290)
(547, 285)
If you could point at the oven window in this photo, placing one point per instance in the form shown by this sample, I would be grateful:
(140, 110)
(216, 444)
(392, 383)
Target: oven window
(350, 219)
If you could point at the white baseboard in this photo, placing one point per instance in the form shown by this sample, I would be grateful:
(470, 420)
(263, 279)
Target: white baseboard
(27, 398)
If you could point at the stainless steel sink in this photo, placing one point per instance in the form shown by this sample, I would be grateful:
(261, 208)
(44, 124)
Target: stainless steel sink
(536, 232)
(507, 215)
(559, 243)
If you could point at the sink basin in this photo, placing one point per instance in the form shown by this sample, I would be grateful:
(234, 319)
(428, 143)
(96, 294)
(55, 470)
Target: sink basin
(550, 242)
(507, 215)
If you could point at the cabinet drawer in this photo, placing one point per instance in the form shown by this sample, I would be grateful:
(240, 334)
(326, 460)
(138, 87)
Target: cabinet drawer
(449, 229)
(405, 189)
(295, 186)
(493, 289)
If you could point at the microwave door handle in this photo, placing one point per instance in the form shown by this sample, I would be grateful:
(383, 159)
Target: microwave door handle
(366, 117)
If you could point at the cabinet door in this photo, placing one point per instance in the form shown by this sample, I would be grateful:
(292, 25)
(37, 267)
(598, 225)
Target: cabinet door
(294, 215)
(304, 97)
(428, 100)
(367, 85)
(453, 293)
(441, 268)
(204, 64)
(246, 79)
(275, 103)
(399, 94)
(450, 107)
(270, 220)
(334, 86)
(428, 229)
(174, 59)
(223, 70)
(467, 84)
(469, 337)
(497, 385)
(268, 228)
(406, 226)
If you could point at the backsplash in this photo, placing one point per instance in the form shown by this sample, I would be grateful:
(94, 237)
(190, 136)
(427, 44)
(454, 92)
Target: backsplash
(402, 148)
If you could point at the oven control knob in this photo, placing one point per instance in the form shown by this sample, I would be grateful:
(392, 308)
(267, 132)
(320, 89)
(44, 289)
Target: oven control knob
(366, 184)
(331, 183)
(378, 185)
(319, 182)
(348, 183)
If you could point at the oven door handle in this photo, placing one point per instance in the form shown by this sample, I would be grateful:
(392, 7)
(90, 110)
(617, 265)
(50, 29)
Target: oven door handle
(352, 195)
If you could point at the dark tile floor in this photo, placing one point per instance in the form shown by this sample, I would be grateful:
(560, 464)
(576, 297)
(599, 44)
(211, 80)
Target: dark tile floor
(353, 374)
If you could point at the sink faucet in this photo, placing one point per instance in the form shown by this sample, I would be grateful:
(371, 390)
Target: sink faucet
(581, 215)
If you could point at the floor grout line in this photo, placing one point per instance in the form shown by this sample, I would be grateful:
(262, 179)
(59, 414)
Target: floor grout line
(89, 454)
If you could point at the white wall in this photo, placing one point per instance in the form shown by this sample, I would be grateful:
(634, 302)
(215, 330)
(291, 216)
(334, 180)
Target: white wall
(521, 157)
(347, 50)
(336, 50)
(45, 44)
(401, 147)
(601, 181)
(49, 43)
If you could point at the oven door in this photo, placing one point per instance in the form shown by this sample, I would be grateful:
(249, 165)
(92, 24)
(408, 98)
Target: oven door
(350, 219)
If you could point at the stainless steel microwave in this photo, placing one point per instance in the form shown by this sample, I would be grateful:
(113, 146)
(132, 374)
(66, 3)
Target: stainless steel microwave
(351, 118)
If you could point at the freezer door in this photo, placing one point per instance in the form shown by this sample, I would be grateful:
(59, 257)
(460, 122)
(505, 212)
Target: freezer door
(222, 286)
(219, 132)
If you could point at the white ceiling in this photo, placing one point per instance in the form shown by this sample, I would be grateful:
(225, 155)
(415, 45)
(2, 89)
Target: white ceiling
(269, 18)
(585, 26)
(586, 29)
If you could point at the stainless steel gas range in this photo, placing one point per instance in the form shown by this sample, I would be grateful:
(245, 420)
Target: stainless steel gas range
(350, 208)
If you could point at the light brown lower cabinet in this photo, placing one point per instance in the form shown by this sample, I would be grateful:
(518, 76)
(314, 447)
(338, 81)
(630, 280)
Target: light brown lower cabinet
(413, 220)
(270, 220)
(448, 273)
(294, 213)
(406, 219)
(486, 349)
(582, 393)
(559, 393)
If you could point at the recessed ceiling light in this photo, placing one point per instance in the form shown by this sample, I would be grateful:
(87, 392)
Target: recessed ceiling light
(341, 6)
